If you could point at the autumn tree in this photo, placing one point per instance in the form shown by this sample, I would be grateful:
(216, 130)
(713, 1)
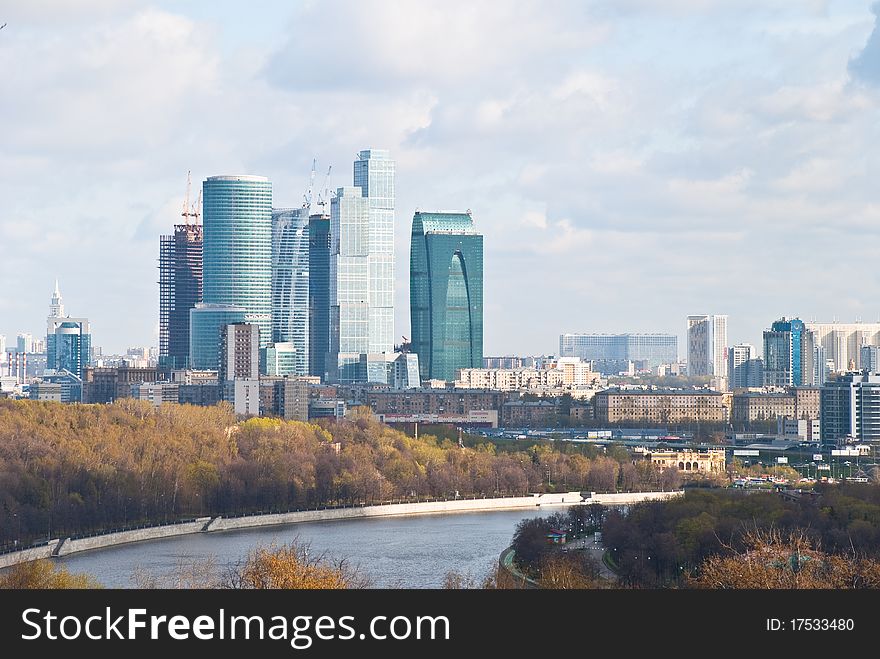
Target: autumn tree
(293, 567)
(43, 574)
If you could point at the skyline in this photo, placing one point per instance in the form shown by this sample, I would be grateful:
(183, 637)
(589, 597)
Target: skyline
(749, 149)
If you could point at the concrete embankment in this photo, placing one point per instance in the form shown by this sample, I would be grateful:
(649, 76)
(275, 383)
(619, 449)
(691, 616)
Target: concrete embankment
(396, 509)
(66, 546)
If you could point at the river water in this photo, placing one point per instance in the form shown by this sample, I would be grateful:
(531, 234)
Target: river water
(395, 552)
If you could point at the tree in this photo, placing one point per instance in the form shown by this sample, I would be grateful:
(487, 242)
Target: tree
(293, 567)
(43, 574)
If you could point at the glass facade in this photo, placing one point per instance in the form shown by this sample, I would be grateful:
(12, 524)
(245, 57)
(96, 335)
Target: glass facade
(290, 283)
(788, 354)
(180, 288)
(374, 175)
(612, 352)
(319, 294)
(68, 345)
(281, 359)
(446, 294)
(206, 323)
(237, 248)
(349, 284)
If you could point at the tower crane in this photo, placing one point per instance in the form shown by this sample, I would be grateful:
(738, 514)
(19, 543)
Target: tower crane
(307, 197)
(191, 211)
(324, 196)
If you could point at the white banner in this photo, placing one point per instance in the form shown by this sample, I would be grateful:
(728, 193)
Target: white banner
(746, 452)
(817, 457)
(782, 461)
(823, 467)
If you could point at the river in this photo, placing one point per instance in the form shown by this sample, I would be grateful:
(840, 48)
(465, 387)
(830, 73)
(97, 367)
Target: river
(395, 552)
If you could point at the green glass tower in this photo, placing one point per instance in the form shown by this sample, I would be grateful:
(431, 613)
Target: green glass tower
(446, 294)
(237, 249)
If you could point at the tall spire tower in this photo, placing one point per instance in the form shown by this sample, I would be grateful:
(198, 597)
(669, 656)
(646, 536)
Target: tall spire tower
(56, 306)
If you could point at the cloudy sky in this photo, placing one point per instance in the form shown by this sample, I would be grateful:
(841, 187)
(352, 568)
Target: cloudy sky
(628, 161)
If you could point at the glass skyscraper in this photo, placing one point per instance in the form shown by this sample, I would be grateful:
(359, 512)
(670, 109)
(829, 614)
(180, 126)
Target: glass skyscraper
(180, 288)
(68, 345)
(446, 294)
(349, 284)
(290, 283)
(319, 294)
(237, 248)
(788, 354)
(374, 175)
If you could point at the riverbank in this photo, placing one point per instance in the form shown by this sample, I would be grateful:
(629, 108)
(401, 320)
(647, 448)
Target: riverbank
(66, 546)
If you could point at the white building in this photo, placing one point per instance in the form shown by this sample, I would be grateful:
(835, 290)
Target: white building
(843, 341)
(707, 347)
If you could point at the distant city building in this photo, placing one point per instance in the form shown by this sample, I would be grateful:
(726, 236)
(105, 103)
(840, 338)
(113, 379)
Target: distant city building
(68, 344)
(708, 461)
(3, 357)
(239, 367)
(25, 342)
(285, 397)
(374, 172)
(612, 353)
(851, 410)
(566, 372)
(349, 285)
(751, 407)
(788, 354)
(821, 368)
(843, 341)
(397, 370)
(180, 289)
(517, 362)
(672, 406)
(529, 414)
(319, 294)
(327, 409)
(290, 283)
(707, 346)
(156, 393)
(105, 385)
(869, 359)
(239, 352)
(744, 368)
(446, 293)
(237, 254)
(280, 359)
(206, 322)
(62, 386)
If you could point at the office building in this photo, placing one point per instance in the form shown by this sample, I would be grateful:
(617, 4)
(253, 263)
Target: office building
(237, 253)
(850, 410)
(397, 370)
(822, 366)
(68, 341)
(290, 283)
(206, 322)
(788, 354)
(707, 346)
(319, 294)
(107, 384)
(611, 353)
(280, 359)
(374, 175)
(843, 341)
(744, 368)
(869, 359)
(285, 397)
(156, 393)
(24, 342)
(349, 285)
(180, 289)
(446, 293)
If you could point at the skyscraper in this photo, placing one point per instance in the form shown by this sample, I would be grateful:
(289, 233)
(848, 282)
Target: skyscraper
(68, 340)
(180, 289)
(788, 354)
(374, 175)
(745, 368)
(319, 294)
(446, 293)
(290, 283)
(237, 260)
(56, 304)
(349, 285)
(707, 346)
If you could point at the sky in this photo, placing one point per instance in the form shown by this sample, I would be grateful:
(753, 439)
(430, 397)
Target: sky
(629, 162)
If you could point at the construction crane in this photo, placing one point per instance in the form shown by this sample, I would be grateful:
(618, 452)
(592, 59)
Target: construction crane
(307, 197)
(324, 196)
(2, 26)
(191, 211)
